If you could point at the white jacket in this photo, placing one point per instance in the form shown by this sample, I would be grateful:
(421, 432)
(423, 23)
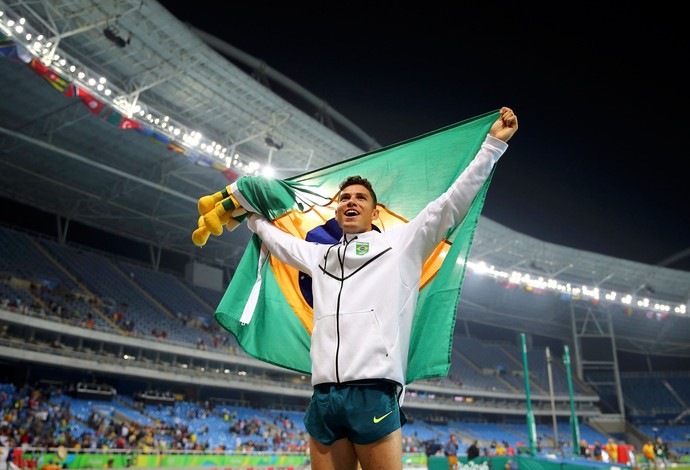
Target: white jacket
(364, 303)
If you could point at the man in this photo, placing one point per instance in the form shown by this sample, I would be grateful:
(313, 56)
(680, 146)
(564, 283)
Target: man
(451, 452)
(472, 451)
(596, 452)
(585, 451)
(661, 453)
(612, 450)
(649, 455)
(365, 291)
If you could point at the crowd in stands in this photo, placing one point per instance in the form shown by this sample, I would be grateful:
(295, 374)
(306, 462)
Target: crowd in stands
(58, 303)
(53, 307)
(61, 304)
(43, 417)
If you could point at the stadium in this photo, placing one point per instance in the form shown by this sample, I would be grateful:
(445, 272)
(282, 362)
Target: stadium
(116, 118)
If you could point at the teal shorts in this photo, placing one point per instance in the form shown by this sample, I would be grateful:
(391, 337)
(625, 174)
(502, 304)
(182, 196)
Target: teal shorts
(362, 412)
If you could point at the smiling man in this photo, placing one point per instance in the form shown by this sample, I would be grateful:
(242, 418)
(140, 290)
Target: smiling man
(365, 289)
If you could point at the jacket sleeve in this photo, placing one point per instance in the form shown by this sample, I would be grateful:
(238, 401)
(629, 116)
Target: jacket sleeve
(289, 249)
(430, 226)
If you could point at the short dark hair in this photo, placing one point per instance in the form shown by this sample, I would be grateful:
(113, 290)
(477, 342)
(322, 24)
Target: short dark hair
(350, 180)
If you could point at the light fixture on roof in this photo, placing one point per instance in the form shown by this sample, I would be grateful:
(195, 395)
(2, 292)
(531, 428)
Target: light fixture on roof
(113, 34)
(649, 288)
(274, 144)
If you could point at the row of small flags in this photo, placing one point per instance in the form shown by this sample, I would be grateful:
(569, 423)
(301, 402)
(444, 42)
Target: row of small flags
(11, 50)
(565, 296)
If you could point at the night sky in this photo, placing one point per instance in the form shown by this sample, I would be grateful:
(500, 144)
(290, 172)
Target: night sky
(599, 162)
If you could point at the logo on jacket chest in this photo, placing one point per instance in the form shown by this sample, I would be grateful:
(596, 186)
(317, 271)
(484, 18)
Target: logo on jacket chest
(362, 248)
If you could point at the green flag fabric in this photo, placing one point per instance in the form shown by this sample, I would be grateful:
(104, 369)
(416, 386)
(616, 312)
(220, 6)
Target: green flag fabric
(265, 306)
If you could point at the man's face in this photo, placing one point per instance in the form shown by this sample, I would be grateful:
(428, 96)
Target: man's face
(355, 211)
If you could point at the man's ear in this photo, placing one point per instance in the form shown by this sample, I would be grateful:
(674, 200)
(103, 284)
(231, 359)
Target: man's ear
(375, 214)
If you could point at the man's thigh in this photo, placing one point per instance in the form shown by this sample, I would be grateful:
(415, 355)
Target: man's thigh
(338, 456)
(384, 453)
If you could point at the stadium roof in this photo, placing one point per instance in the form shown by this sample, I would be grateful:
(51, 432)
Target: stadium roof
(70, 156)
(79, 157)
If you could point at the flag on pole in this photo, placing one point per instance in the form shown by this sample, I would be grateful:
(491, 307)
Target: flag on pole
(56, 81)
(95, 106)
(267, 304)
(129, 123)
(11, 50)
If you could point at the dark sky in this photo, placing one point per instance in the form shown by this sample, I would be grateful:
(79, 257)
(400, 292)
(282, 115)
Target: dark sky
(599, 162)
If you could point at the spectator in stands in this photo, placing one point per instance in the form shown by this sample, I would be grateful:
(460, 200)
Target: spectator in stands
(661, 453)
(500, 449)
(450, 450)
(596, 451)
(385, 274)
(585, 451)
(472, 451)
(612, 450)
(649, 454)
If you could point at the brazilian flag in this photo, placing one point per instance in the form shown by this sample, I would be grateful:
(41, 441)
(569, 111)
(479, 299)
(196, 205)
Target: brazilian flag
(267, 305)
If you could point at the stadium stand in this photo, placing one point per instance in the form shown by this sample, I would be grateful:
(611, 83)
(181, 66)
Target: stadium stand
(489, 367)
